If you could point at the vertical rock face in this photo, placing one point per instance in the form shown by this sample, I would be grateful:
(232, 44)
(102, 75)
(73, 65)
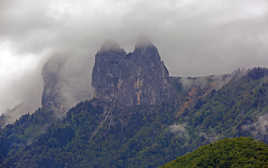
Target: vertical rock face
(137, 78)
(66, 82)
(52, 97)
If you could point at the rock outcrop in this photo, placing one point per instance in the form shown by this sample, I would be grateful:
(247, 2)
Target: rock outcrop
(136, 78)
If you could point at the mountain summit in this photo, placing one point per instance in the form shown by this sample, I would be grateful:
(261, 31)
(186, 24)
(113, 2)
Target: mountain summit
(135, 78)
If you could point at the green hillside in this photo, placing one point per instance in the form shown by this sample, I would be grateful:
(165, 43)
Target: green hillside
(240, 108)
(227, 153)
(90, 136)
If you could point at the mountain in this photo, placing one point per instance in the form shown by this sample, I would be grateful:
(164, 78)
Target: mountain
(65, 83)
(102, 127)
(62, 88)
(238, 109)
(137, 78)
(52, 96)
(236, 153)
(94, 134)
(140, 116)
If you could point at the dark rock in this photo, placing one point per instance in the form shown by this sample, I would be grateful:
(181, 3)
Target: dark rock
(136, 78)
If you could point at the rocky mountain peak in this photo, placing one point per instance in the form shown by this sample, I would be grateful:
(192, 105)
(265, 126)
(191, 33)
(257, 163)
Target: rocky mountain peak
(147, 53)
(109, 53)
(110, 45)
(143, 42)
(135, 78)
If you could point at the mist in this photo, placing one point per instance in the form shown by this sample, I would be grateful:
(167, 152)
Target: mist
(193, 37)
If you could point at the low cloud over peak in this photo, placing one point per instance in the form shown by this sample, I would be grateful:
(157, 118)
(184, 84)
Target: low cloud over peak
(193, 37)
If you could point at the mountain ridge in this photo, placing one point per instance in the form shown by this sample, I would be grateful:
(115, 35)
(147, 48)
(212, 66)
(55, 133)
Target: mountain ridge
(150, 119)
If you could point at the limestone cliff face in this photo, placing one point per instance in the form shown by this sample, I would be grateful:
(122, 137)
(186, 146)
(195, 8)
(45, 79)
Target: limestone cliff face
(136, 78)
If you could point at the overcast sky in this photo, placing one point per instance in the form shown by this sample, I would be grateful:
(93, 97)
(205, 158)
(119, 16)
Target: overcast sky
(194, 37)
